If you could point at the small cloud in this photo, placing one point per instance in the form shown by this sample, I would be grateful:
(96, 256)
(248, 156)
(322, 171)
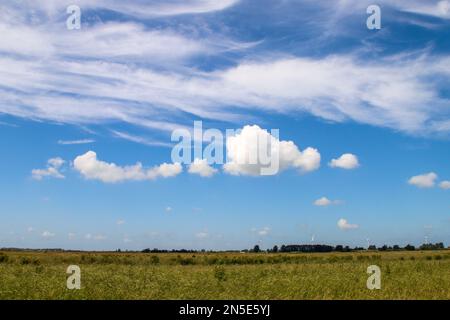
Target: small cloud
(30, 229)
(71, 235)
(322, 202)
(88, 236)
(201, 167)
(127, 240)
(71, 142)
(344, 225)
(168, 209)
(346, 161)
(261, 232)
(120, 222)
(99, 237)
(426, 180)
(201, 235)
(47, 235)
(445, 185)
(53, 170)
(264, 231)
(325, 202)
(7, 124)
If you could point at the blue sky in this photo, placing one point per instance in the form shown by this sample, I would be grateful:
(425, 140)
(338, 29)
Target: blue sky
(75, 102)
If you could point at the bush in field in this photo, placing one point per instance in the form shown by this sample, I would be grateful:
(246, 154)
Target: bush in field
(219, 274)
(33, 261)
(88, 259)
(154, 260)
(3, 258)
(376, 257)
(186, 261)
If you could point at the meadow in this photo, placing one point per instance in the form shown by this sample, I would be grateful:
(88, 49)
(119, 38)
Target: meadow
(404, 275)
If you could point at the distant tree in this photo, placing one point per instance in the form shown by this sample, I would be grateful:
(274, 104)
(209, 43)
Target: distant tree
(396, 247)
(431, 246)
(372, 247)
(256, 249)
(275, 249)
(384, 248)
(339, 248)
(410, 247)
(283, 248)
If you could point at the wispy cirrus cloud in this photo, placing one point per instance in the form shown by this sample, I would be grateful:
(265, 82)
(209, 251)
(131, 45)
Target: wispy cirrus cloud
(71, 142)
(139, 139)
(129, 72)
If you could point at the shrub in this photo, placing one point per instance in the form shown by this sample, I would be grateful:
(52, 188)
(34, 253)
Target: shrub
(39, 269)
(186, 261)
(219, 274)
(25, 260)
(3, 258)
(212, 261)
(154, 260)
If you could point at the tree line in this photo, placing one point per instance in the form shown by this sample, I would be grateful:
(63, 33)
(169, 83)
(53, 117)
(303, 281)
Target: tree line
(313, 248)
(340, 248)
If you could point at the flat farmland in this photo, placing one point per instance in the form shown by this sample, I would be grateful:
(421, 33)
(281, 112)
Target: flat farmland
(404, 275)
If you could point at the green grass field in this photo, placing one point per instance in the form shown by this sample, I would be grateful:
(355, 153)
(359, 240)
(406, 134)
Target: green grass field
(405, 275)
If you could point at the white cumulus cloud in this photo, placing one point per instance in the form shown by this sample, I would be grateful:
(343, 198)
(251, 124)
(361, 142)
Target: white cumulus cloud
(346, 161)
(253, 150)
(92, 168)
(202, 168)
(264, 231)
(445, 185)
(323, 202)
(47, 235)
(53, 170)
(344, 225)
(426, 180)
(202, 235)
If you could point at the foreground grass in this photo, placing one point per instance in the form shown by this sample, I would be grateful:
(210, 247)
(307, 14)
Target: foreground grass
(405, 275)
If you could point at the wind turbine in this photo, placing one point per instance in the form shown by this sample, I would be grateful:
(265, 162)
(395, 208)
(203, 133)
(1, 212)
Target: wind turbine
(368, 243)
(312, 238)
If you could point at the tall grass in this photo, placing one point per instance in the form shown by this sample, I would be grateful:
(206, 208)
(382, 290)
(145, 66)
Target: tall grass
(405, 275)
